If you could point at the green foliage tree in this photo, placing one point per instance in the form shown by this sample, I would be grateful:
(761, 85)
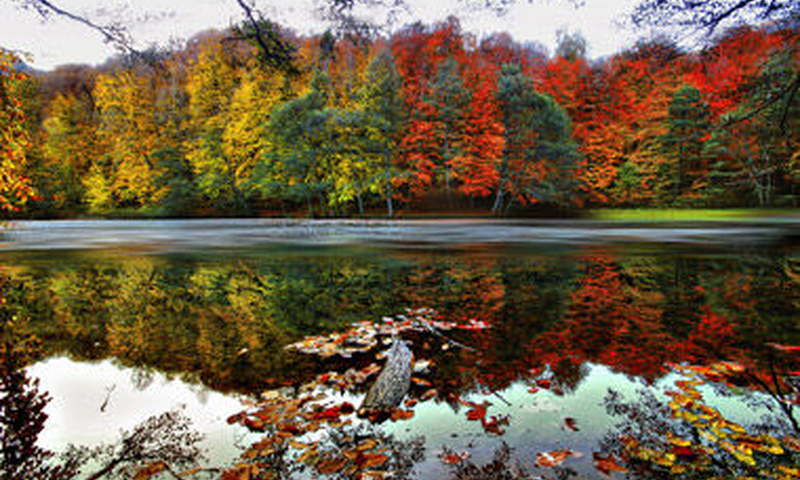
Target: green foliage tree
(385, 113)
(754, 146)
(687, 127)
(294, 168)
(539, 153)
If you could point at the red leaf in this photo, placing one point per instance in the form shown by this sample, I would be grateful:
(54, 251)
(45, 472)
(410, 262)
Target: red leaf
(571, 423)
(786, 348)
(684, 451)
(453, 458)
(477, 410)
(400, 414)
(544, 383)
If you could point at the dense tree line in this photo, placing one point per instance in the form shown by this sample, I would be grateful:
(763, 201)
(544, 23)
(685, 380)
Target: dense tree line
(432, 117)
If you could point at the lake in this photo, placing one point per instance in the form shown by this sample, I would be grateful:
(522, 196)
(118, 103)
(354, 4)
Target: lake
(542, 349)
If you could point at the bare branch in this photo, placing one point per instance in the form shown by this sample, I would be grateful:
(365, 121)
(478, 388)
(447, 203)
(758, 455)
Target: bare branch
(113, 34)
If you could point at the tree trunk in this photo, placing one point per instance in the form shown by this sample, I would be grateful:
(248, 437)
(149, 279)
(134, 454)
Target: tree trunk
(447, 165)
(498, 200)
(393, 382)
(388, 163)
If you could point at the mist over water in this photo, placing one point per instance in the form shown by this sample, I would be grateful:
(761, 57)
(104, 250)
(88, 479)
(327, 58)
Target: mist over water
(180, 235)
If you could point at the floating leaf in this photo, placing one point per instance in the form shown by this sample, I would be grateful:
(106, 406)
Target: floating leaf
(608, 464)
(430, 393)
(785, 348)
(330, 466)
(572, 424)
(148, 471)
(555, 457)
(477, 411)
(544, 383)
(371, 460)
(454, 458)
(400, 414)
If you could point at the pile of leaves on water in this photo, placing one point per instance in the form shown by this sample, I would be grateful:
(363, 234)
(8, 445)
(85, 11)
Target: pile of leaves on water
(365, 336)
(304, 429)
(695, 441)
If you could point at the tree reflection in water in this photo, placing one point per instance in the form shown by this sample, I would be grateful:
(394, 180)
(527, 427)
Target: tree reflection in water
(683, 436)
(224, 323)
(160, 443)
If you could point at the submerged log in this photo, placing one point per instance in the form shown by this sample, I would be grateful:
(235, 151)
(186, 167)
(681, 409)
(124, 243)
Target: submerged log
(393, 382)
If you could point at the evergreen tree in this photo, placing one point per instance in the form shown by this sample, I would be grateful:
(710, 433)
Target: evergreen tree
(539, 154)
(688, 125)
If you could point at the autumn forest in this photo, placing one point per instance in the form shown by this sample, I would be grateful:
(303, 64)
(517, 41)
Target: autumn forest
(432, 118)
(351, 247)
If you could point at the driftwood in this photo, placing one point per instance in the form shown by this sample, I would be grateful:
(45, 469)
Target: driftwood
(393, 382)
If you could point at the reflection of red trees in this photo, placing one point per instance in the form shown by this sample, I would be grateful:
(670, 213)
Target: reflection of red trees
(636, 318)
(707, 342)
(610, 322)
(615, 322)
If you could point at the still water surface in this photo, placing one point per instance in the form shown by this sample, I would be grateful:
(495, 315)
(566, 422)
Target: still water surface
(137, 318)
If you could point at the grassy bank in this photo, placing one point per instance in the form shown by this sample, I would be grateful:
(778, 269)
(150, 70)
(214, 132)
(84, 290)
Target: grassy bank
(697, 215)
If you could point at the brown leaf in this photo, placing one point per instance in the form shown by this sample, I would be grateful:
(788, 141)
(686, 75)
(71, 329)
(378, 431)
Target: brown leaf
(150, 470)
(370, 460)
(430, 393)
(572, 424)
(400, 414)
(330, 466)
(190, 472)
(792, 443)
(420, 381)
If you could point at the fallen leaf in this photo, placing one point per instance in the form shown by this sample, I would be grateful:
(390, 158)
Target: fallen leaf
(454, 458)
(555, 457)
(430, 393)
(421, 382)
(786, 348)
(572, 424)
(400, 414)
(150, 470)
(477, 410)
(608, 464)
(544, 383)
(330, 466)
(370, 460)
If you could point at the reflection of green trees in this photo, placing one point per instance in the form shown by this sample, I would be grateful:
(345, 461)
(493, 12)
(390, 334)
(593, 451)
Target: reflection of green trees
(225, 322)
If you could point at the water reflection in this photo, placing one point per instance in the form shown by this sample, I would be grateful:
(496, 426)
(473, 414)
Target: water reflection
(564, 326)
(91, 402)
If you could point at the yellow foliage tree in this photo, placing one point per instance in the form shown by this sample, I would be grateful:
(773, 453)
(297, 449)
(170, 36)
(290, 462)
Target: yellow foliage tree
(126, 104)
(15, 188)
